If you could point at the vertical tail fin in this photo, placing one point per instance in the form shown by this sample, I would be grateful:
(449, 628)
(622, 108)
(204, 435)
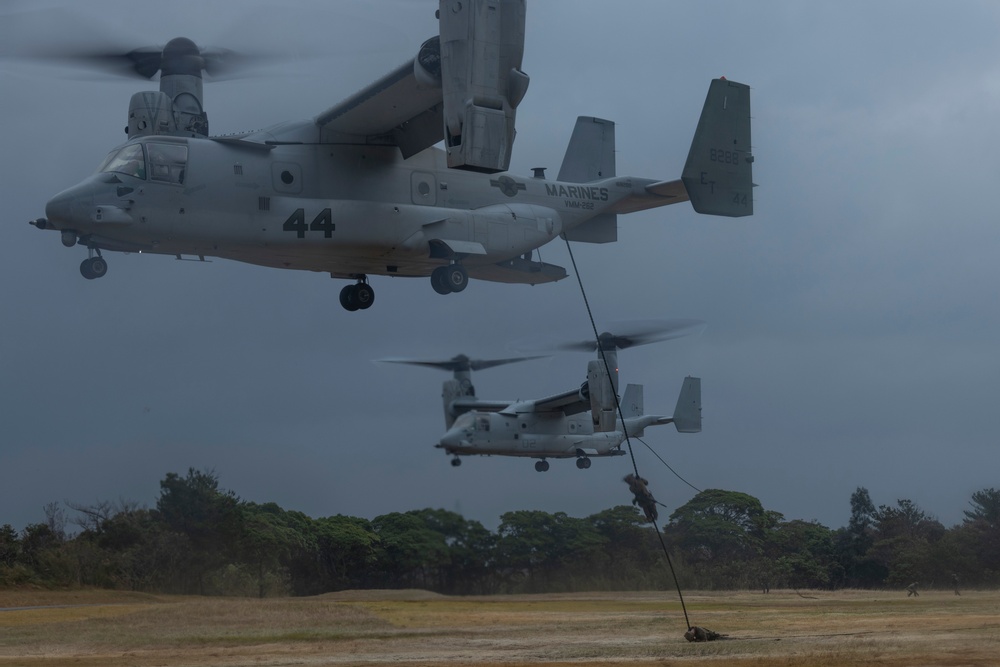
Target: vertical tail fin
(632, 401)
(633, 411)
(590, 156)
(687, 414)
(718, 175)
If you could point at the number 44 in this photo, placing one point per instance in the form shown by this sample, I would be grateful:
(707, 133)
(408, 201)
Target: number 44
(321, 223)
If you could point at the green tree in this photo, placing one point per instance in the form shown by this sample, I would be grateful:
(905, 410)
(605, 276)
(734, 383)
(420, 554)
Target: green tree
(272, 537)
(541, 551)
(803, 555)
(410, 553)
(210, 519)
(470, 547)
(10, 546)
(12, 569)
(631, 551)
(720, 525)
(854, 543)
(862, 513)
(347, 552)
(982, 531)
(985, 508)
(902, 543)
(44, 555)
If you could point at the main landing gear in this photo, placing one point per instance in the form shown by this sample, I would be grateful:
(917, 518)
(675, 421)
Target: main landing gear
(455, 462)
(448, 279)
(359, 296)
(93, 267)
(541, 466)
(583, 463)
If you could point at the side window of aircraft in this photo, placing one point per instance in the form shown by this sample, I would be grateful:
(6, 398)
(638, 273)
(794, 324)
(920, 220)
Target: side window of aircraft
(129, 160)
(167, 162)
(483, 424)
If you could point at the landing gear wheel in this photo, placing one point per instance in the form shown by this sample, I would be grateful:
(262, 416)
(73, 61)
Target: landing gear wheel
(455, 462)
(541, 466)
(583, 463)
(359, 296)
(93, 267)
(458, 279)
(364, 295)
(348, 298)
(439, 280)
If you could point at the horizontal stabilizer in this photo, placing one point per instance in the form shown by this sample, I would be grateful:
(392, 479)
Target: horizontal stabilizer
(718, 174)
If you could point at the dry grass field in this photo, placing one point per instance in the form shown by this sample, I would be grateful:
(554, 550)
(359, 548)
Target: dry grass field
(816, 628)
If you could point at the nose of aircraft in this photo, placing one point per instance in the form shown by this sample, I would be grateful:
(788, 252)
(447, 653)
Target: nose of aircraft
(453, 438)
(69, 206)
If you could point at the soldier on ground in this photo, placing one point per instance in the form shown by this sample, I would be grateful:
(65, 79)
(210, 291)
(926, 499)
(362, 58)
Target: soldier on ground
(699, 634)
(912, 590)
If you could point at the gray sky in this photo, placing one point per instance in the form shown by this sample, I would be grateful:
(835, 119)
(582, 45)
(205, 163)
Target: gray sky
(852, 321)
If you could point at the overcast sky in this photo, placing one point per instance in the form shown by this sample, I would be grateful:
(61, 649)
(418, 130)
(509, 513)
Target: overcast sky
(852, 322)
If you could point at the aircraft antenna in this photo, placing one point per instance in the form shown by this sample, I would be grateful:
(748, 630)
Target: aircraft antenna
(628, 442)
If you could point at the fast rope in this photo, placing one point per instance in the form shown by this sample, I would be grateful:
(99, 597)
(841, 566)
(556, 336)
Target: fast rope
(628, 441)
(653, 452)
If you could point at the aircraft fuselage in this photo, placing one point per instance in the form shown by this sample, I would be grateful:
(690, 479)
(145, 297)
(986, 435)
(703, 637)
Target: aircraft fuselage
(342, 209)
(554, 436)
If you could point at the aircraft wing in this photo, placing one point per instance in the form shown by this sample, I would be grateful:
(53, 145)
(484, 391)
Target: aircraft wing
(464, 404)
(568, 403)
(399, 109)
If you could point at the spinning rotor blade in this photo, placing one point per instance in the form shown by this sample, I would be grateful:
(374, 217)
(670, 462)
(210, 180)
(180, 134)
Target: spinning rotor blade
(179, 56)
(625, 334)
(459, 363)
(75, 41)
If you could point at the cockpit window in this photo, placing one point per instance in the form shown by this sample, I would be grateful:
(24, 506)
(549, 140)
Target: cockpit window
(167, 162)
(128, 160)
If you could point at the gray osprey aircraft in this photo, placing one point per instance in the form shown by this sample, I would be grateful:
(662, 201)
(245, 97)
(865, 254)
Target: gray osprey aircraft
(361, 190)
(580, 423)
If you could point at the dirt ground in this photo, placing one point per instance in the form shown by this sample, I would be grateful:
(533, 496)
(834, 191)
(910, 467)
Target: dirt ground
(816, 628)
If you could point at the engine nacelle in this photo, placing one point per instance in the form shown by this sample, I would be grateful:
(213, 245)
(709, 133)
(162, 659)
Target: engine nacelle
(482, 42)
(150, 113)
(450, 390)
(602, 397)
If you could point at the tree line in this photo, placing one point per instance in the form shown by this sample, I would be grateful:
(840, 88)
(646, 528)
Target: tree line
(200, 539)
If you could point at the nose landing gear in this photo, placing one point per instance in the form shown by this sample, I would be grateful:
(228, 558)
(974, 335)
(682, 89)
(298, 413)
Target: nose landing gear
(93, 267)
(359, 296)
(541, 466)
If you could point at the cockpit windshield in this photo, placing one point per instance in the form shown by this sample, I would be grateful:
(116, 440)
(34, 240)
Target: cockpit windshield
(463, 421)
(128, 160)
(167, 162)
